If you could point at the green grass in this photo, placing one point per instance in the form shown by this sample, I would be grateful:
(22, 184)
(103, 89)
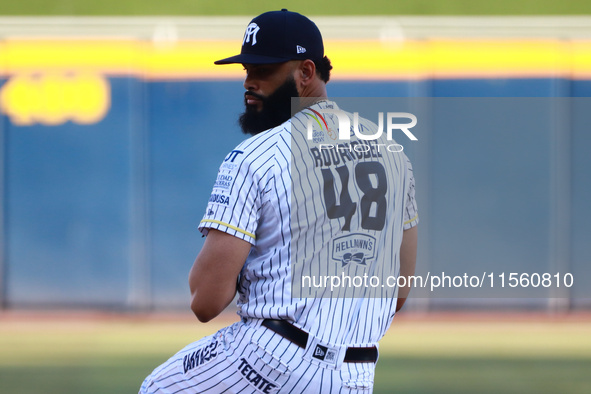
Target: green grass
(482, 375)
(394, 374)
(309, 7)
(114, 356)
(105, 375)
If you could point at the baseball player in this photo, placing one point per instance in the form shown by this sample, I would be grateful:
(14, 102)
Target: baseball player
(292, 206)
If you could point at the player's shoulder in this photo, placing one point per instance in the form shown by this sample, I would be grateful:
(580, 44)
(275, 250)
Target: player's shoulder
(325, 117)
(259, 148)
(317, 112)
(267, 138)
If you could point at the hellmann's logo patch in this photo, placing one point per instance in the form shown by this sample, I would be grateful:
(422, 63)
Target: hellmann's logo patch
(354, 248)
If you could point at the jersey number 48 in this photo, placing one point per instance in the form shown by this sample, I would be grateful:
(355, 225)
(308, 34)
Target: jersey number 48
(372, 185)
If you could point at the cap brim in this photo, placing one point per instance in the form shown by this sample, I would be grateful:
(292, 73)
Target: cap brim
(248, 58)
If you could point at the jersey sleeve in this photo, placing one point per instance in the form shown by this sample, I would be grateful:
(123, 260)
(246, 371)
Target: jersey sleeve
(235, 202)
(411, 216)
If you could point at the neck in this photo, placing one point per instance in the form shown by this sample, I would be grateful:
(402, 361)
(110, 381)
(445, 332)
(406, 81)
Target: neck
(312, 94)
(317, 89)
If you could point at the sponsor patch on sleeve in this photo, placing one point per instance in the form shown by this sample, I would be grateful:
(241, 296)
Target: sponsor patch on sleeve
(224, 181)
(220, 199)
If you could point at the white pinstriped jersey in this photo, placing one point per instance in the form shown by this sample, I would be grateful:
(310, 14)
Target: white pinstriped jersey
(284, 195)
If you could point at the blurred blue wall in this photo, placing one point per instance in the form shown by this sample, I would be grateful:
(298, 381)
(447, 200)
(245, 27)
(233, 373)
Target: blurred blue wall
(106, 214)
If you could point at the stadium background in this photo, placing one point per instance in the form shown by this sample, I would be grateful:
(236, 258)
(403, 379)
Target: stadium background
(113, 130)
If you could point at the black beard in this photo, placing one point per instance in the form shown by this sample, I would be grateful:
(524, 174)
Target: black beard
(276, 109)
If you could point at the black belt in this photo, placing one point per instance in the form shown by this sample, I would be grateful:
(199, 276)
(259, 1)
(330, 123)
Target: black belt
(300, 338)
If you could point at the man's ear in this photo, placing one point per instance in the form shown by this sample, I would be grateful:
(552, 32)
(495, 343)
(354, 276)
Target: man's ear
(307, 70)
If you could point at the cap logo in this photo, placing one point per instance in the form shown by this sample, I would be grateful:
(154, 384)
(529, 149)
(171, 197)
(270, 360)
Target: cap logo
(300, 49)
(251, 31)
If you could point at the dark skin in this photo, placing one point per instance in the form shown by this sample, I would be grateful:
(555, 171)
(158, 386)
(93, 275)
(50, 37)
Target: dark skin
(264, 79)
(214, 274)
(213, 277)
(408, 259)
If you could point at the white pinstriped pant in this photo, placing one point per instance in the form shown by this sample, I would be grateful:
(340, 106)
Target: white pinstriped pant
(249, 358)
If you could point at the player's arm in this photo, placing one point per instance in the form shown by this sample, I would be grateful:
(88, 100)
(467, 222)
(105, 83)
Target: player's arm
(408, 259)
(213, 277)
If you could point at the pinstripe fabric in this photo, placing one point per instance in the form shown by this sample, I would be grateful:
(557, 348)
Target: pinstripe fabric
(357, 316)
(274, 365)
(271, 192)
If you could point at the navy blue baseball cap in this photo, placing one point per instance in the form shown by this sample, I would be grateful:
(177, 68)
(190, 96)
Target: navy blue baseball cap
(279, 36)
